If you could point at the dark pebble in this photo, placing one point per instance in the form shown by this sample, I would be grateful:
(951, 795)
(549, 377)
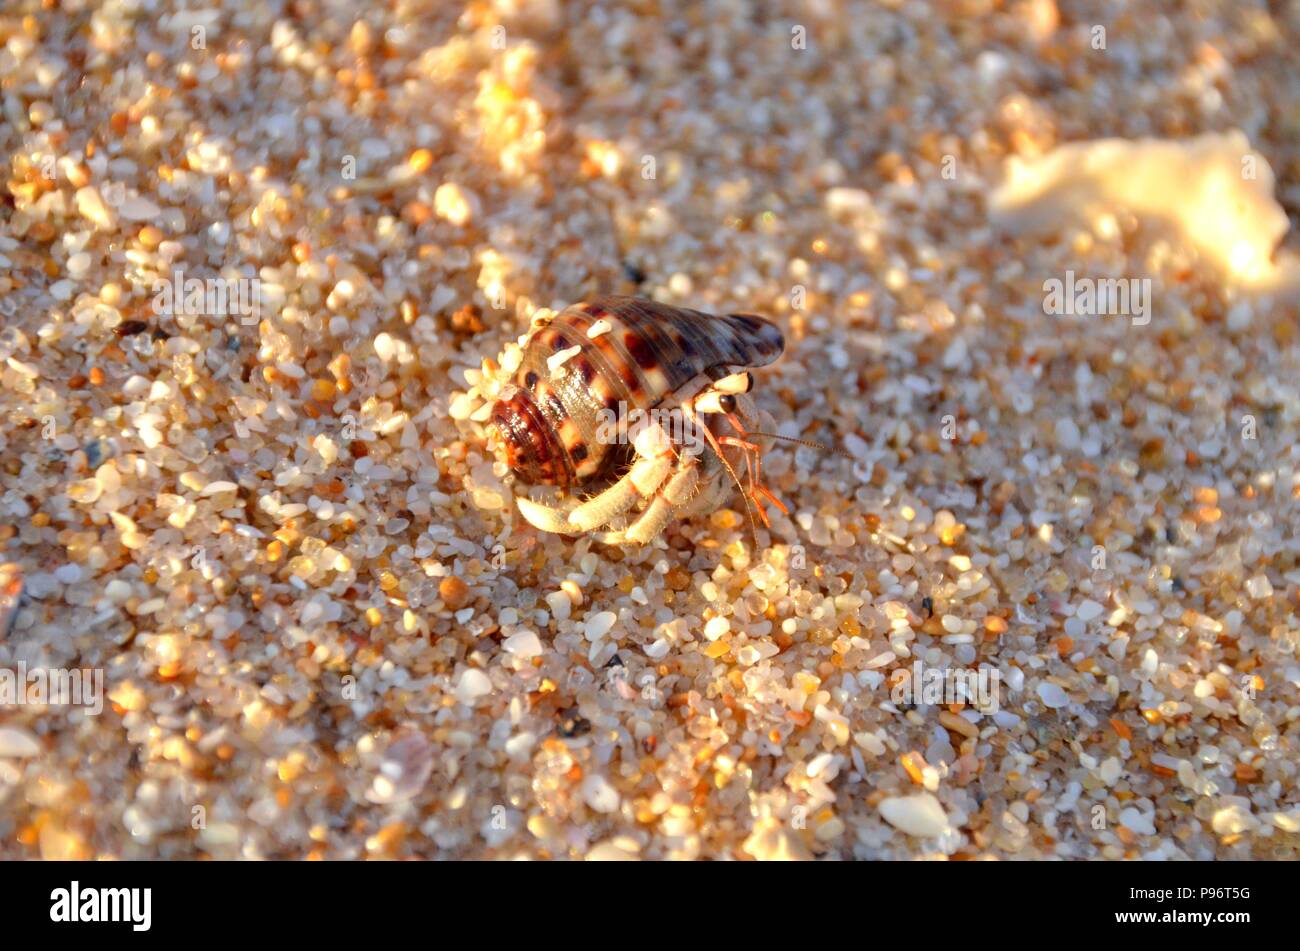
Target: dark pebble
(572, 725)
(98, 451)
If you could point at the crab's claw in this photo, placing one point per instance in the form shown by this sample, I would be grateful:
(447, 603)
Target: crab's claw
(544, 517)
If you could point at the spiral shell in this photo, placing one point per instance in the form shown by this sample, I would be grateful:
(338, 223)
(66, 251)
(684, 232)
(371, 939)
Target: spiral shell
(612, 355)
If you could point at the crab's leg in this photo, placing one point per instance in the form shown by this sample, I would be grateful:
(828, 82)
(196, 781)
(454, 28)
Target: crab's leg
(713, 493)
(675, 494)
(694, 487)
(726, 396)
(655, 457)
(641, 481)
(691, 411)
(753, 462)
(544, 517)
(653, 464)
(729, 409)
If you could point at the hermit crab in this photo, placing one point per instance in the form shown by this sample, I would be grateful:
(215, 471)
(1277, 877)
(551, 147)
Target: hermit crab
(644, 402)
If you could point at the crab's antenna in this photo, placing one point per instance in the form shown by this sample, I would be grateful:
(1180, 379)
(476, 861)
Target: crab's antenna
(809, 443)
(749, 505)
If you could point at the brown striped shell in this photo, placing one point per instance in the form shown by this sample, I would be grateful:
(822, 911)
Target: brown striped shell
(640, 355)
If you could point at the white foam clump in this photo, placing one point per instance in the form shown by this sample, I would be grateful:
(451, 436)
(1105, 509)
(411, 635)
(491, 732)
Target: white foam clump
(1201, 187)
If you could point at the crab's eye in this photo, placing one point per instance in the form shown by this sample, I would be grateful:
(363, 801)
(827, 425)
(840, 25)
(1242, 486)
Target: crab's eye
(727, 402)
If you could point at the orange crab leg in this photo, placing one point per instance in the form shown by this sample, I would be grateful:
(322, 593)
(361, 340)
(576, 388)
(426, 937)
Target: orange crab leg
(762, 490)
(751, 464)
(756, 487)
(688, 410)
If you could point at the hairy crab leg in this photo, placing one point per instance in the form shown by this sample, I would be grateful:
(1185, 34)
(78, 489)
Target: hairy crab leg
(546, 518)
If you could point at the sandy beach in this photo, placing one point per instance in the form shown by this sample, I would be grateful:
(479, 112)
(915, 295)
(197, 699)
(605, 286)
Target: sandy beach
(1035, 267)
